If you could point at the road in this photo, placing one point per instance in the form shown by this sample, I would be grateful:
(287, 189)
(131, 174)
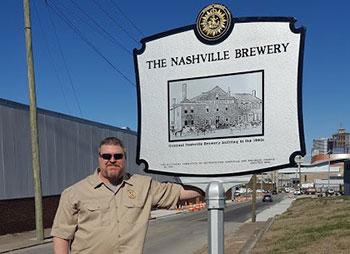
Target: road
(181, 233)
(186, 233)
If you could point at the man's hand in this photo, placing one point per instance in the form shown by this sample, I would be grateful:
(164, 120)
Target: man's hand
(60, 246)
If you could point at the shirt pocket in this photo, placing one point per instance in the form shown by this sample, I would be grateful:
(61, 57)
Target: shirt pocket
(135, 211)
(97, 213)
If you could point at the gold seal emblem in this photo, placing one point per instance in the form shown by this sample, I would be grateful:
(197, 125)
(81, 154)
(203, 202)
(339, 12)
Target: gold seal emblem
(131, 194)
(213, 22)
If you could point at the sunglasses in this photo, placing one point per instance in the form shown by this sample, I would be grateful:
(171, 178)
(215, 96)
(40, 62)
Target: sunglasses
(108, 156)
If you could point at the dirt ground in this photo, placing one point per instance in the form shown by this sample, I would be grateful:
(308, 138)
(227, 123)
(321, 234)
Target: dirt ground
(235, 243)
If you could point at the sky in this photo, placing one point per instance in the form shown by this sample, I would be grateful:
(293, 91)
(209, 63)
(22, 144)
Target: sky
(84, 64)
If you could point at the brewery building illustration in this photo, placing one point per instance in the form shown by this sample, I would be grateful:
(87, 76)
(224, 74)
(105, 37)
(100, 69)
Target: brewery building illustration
(214, 113)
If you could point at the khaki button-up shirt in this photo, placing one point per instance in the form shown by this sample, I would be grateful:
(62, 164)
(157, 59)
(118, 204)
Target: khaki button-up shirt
(100, 221)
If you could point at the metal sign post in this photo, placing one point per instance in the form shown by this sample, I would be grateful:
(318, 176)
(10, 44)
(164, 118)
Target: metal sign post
(215, 197)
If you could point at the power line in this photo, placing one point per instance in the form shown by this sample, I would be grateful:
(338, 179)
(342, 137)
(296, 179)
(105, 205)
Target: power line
(66, 66)
(104, 31)
(115, 22)
(51, 58)
(92, 46)
(126, 17)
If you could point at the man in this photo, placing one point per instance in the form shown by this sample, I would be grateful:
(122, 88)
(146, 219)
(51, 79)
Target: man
(108, 212)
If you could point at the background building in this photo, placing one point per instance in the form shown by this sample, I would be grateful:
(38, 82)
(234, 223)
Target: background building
(328, 165)
(339, 143)
(319, 146)
(68, 152)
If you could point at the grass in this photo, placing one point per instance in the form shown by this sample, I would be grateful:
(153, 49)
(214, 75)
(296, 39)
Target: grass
(310, 225)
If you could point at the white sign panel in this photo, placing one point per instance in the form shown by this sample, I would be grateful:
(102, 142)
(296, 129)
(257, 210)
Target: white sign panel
(221, 108)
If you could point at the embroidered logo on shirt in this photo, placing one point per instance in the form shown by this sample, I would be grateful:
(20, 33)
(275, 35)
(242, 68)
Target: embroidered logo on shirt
(131, 194)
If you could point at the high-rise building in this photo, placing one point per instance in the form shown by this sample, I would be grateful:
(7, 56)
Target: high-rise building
(319, 146)
(341, 142)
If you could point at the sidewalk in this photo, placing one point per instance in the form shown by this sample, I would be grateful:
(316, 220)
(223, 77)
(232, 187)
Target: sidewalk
(250, 233)
(11, 242)
(276, 209)
(163, 213)
(242, 242)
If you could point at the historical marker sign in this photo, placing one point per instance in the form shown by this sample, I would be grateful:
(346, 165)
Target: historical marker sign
(221, 97)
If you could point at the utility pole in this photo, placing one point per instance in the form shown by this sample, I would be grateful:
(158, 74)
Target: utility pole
(299, 176)
(254, 199)
(276, 174)
(329, 168)
(299, 159)
(33, 124)
(281, 182)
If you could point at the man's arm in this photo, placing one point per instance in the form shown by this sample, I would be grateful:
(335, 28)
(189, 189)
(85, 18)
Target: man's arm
(167, 195)
(65, 223)
(187, 192)
(60, 246)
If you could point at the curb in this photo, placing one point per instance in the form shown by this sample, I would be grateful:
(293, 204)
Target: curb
(250, 244)
(167, 215)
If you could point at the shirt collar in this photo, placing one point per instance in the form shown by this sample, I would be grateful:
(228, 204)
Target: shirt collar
(127, 179)
(95, 180)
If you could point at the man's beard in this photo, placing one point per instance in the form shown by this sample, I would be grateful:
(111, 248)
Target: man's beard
(115, 174)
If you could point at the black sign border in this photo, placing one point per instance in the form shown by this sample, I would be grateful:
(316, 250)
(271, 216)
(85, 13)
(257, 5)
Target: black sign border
(302, 152)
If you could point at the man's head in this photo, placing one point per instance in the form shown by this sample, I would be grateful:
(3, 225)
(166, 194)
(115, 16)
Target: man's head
(111, 159)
